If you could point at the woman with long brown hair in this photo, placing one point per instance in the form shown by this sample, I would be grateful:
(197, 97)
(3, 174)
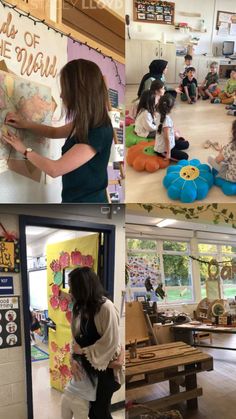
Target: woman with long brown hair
(96, 346)
(86, 152)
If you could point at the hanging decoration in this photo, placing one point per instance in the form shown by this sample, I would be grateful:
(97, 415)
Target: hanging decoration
(9, 252)
(62, 34)
(219, 214)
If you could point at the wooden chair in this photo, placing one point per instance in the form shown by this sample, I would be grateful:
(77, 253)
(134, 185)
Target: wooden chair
(203, 336)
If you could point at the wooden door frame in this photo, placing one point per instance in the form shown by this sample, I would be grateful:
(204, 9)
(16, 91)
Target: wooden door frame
(109, 262)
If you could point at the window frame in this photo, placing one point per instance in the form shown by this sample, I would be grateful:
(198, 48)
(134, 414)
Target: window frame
(160, 252)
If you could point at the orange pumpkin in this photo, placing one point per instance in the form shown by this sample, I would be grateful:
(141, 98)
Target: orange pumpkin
(142, 157)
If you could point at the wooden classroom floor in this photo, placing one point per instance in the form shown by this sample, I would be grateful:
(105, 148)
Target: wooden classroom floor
(196, 123)
(218, 400)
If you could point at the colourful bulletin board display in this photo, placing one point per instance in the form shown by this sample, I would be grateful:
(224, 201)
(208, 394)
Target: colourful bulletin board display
(62, 257)
(10, 332)
(154, 11)
(9, 255)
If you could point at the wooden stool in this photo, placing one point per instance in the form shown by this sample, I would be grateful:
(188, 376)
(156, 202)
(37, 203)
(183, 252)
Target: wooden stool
(203, 336)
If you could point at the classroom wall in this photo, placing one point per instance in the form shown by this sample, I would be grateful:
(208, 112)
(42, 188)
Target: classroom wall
(15, 187)
(208, 9)
(12, 362)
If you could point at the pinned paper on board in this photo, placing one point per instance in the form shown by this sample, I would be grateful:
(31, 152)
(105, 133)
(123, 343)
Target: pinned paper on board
(224, 28)
(233, 29)
(33, 101)
(117, 153)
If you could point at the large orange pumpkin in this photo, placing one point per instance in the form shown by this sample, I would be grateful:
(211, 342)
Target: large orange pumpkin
(142, 157)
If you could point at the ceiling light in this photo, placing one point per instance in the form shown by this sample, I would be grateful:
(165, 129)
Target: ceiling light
(166, 222)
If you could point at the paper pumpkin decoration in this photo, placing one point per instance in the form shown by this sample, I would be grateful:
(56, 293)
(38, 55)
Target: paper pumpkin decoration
(9, 255)
(143, 158)
(132, 139)
(188, 181)
(228, 188)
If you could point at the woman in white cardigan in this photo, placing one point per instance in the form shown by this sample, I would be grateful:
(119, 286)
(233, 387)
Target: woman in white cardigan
(95, 327)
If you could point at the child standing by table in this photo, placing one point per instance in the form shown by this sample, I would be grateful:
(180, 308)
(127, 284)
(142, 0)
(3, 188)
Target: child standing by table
(190, 87)
(225, 162)
(210, 83)
(165, 142)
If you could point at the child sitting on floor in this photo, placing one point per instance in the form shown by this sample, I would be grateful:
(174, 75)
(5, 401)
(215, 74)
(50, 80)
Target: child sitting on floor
(210, 83)
(190, 87)
(227, 96)
(225, 162)
(166, 144)
(232, 108)
(187, 63)
(145, 122)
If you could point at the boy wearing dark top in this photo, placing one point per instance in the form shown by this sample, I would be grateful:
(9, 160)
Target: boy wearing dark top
(210, 83)
(190, 87)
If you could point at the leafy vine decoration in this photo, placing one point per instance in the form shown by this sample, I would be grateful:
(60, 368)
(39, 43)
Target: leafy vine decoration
(219, 214)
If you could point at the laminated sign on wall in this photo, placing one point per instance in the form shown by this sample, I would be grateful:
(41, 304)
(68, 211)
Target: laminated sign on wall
(10, 333)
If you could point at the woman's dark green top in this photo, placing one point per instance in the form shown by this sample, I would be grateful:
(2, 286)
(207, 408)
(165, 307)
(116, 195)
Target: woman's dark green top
(88, 183)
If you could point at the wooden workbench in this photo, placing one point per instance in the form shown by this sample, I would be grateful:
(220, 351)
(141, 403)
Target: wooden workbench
(176, 362)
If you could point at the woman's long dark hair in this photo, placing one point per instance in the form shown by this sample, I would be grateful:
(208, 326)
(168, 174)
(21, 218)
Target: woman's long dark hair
(85, 95)
(88, 296)
(87, 291)
(164, 107)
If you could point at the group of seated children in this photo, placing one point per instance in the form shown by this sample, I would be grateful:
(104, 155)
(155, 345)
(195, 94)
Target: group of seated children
(153, 120)
(209, 89)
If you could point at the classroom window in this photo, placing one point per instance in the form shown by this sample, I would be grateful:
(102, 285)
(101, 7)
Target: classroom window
(177, 272)
(155, 263)
(222, 253)
(229, 285)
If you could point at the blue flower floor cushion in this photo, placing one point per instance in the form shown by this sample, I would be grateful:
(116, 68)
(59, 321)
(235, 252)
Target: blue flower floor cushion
(227, 187)
(131, 138)
(188, 181)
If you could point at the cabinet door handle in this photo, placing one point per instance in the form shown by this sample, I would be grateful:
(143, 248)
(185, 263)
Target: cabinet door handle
(157, 52)
(161, 52)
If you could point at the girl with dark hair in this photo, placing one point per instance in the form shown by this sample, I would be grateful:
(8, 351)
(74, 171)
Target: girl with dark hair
(157, 71)
(95, 328)
(86, 152)
(225, 162)
(145, 122)
(165, 143)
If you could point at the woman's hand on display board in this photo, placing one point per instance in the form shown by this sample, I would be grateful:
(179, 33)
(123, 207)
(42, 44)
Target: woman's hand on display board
(14, 141)
(16, 121)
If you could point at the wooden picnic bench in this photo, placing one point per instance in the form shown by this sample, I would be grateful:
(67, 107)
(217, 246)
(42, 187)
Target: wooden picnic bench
(176, 362)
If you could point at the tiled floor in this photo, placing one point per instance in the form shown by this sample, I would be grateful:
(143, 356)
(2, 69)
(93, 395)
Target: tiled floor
(196, 123)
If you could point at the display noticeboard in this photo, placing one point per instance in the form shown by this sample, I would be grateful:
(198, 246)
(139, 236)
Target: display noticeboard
(154, 11)
(10, 333)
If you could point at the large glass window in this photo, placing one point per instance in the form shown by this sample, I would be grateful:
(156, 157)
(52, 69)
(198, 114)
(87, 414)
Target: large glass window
(222, 253)
(177, 271)
(156, 265)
